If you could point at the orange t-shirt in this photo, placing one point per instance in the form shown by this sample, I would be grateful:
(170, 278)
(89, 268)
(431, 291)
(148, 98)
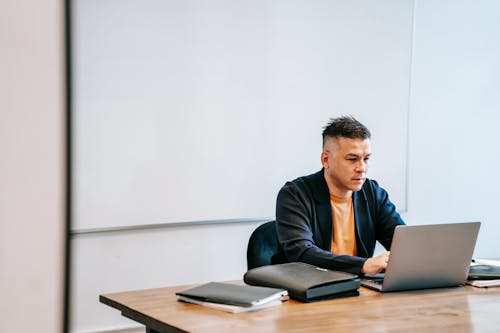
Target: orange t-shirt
(344, 237)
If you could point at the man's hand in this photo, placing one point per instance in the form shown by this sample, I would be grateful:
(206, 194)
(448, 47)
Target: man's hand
(376, 264)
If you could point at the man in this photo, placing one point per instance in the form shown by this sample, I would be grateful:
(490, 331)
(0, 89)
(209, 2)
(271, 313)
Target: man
(333, 218)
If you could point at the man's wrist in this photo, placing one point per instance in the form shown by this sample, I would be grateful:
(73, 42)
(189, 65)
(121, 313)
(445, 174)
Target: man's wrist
(363, 266)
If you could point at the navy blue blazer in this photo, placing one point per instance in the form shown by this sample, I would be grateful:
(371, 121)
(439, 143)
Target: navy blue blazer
(305, 228)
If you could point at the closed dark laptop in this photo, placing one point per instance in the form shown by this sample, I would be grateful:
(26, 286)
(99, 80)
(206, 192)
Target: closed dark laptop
(304, 282)
(428, 256)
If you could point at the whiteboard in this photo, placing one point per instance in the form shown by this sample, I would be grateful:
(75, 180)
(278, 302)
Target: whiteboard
(201, 110)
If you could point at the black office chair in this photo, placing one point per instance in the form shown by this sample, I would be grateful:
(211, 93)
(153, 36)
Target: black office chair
(263, 247)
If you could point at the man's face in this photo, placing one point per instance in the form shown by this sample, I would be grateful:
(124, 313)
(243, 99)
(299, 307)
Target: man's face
(345, 162)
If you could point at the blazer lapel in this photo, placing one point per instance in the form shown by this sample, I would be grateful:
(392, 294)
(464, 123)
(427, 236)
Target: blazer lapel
(323, 209)
(364, 228)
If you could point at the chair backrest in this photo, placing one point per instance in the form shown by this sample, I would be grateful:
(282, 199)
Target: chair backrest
(264, 247)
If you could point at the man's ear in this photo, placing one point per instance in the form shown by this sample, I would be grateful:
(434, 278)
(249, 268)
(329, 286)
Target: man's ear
(325, 159)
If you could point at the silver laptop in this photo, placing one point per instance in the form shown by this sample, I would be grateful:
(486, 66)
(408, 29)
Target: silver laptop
(427, 256)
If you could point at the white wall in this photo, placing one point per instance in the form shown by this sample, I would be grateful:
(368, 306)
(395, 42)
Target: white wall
(32, 223)
(452, 157)
(182, 104)
(454, 117)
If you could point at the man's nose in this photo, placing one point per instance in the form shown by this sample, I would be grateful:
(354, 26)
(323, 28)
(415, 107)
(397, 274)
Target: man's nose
(361, 166)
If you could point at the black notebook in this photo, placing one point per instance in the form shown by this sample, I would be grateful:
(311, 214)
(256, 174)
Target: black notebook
(304, 282)
(233, 294)
(484, 272)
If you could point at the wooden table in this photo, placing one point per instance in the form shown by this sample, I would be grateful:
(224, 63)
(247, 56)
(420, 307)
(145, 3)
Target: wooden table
(459, 309)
